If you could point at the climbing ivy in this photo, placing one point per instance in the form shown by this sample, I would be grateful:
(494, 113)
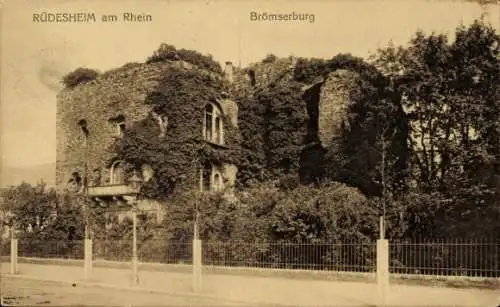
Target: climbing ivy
(181, 96)
(275, 123)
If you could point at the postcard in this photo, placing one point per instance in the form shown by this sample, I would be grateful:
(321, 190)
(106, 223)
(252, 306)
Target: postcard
(250, 153)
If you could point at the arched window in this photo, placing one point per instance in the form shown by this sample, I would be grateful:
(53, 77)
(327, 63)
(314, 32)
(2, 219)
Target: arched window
(213, 130)
(218, 131)
(217, 186)
(117, 173)
(208, 122)
(211, 179)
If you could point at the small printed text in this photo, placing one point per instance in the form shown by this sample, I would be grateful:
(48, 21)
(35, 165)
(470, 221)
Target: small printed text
(89, 17)
(290, 17)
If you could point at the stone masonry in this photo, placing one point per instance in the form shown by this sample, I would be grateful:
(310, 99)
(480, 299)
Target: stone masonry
(121, 93)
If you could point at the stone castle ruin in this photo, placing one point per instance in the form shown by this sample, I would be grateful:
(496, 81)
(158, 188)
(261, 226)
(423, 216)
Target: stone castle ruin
(92, 115)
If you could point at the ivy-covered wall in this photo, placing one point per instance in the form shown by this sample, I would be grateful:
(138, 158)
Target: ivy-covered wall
(181, 96)
(296, 112)
(282, 118)
(173, 85)
(118, 92)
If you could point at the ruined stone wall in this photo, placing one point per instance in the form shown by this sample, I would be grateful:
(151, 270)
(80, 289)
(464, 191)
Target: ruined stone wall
(333, 105)
(122, 92)
(118, 92)
(261, 75)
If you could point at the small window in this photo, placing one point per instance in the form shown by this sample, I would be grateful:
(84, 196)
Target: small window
(208, 122)
(206, 174)
(84, 128)
(212, 125)
(251, 75)
(117, 174)
(120, 129)
(96, 179)
(75, 182)
(218, 131)
(119, 125)
(211, 179)
(217, 186)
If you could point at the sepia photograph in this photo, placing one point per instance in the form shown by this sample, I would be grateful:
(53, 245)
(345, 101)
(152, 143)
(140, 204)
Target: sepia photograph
(250, 153)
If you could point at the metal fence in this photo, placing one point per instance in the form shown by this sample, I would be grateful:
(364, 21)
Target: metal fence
(153, 251)
(4, 247)
(51, 249)
(351, 257)
(446, 258)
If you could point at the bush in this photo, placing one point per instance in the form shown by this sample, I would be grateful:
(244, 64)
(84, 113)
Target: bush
(169, 52)
(79, 76)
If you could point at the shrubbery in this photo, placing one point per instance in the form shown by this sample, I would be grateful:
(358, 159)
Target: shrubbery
(79, 76)
(169, 52)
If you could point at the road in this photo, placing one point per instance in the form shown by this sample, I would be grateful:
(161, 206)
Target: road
(20, 292)
(253, 290)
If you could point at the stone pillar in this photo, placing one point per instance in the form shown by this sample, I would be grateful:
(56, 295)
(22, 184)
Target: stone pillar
(197, 265)
(87, 264)
(382, 271)
(13, 256)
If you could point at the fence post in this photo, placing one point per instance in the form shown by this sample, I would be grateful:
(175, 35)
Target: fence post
(13, 256)
(197, 265)
(382, 265)
(87, 264)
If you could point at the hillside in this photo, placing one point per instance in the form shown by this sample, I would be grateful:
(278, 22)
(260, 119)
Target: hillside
(30, 174)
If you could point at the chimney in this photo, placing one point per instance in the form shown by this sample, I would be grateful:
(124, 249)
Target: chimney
(228, 71)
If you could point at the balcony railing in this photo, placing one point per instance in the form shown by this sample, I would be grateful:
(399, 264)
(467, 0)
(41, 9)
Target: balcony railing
(111, 190)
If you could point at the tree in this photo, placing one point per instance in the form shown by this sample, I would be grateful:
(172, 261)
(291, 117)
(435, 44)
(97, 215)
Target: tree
(450, 95)
(39, 213)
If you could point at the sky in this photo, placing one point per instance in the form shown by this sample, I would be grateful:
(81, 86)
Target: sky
(34, 56)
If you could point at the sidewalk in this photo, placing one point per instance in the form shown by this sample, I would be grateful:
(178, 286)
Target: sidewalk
(270, 290)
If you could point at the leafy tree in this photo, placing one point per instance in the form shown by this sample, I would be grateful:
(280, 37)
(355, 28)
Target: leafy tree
(39, 213)
(449, 93)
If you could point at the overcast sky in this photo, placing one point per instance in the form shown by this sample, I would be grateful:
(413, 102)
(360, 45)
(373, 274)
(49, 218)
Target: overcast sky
(35, 55)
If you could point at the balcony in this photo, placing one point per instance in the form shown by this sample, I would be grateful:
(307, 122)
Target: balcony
(111, 190)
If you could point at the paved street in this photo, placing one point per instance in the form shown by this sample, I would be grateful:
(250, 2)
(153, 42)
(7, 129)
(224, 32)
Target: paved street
(271, 290)
(19, 292)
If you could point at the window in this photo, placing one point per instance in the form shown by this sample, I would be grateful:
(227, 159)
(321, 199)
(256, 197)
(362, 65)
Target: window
(120, 129)
(96, 178)
(82, 123)
(251, 75)
(117, 174)
(218, 136)
(208, 122)
(75, 182)
(212, 125)
(206, 174)
(119, 125)
(211, 179)
(162, 122)
(217, 186)
(147, 172)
